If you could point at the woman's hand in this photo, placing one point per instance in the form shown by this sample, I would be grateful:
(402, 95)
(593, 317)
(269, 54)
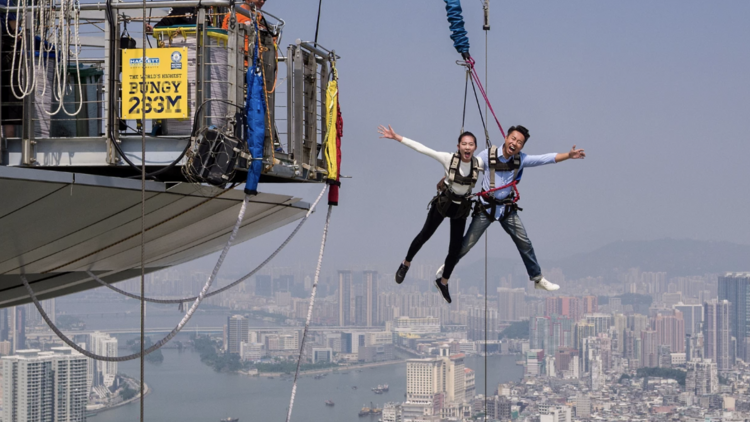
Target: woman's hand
(389, 133)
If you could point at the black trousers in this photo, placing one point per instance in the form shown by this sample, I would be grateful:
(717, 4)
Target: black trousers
(434, 218)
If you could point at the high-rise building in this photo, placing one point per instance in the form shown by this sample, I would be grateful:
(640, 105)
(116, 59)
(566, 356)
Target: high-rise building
(345, 298)
(102, 372)
(510, 305)
(693, 316)
(649, 349)
(717, 338)
(670, 331)
(371, 298)
(17, 324)
(436, 383)
(283, 283)
(601, 322)
(44, 386)
(237, 332)
(590, 305)
(735, 287)
(264, 285)
(4, 325)
(702, 377)
(571, 307)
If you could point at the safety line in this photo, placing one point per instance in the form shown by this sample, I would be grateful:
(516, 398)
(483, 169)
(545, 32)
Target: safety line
(169, 336)
(475, 77)
(309, 312)
(227, 287)
(142, 383)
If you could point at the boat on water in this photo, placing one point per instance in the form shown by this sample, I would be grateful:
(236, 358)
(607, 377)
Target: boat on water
(354, 387)
(364, 412)
(380, 389)
(318, 377)
(330, 403)
(230, 420)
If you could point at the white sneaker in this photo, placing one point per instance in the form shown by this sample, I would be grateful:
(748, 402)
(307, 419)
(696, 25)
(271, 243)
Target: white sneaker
(545, 284)
(439, 273)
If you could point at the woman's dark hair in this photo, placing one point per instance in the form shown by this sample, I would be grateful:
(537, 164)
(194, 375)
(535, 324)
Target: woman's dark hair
(467, 133)
(522, 130)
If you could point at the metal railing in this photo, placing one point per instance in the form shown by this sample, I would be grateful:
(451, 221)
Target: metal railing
(49, 139)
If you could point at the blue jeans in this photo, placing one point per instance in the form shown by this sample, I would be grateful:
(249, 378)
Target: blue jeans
(514, 227)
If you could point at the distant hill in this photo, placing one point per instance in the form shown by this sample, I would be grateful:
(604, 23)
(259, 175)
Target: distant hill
(677, 257)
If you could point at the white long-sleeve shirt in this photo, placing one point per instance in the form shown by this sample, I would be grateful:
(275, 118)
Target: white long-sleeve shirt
(444, 158)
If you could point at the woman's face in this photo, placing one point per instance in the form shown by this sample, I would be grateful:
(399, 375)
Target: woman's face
(466, 147)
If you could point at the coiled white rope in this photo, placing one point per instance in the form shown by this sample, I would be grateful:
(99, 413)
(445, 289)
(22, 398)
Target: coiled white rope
(227, 287)
(169, 336)
(309, 312)
(31, 68)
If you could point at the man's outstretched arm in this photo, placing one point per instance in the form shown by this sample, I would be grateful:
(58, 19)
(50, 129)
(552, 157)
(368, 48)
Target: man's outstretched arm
(573, 154)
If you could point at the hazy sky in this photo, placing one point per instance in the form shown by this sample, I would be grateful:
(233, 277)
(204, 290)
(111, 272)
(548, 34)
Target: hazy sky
(657, 93)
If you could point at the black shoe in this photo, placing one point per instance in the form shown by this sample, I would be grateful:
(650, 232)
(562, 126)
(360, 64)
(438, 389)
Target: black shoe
(401, 273)
(444, 290)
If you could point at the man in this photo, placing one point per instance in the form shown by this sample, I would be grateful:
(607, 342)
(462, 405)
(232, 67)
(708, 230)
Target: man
(268, 56)
(508, 166)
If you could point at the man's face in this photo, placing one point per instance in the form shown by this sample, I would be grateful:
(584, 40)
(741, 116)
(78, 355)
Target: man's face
(514, 143)
(257, 3)
(466, 148)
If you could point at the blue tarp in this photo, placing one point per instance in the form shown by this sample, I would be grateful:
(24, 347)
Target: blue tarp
(255, 107)
(460, 40)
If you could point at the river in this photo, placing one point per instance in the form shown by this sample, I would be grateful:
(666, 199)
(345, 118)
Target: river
(185, 390)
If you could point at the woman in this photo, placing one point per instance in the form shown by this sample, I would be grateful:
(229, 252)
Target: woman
(461, 174)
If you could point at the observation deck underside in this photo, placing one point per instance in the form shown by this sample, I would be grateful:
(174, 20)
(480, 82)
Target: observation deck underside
(57, 225)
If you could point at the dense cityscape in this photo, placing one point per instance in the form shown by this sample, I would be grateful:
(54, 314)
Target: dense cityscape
(645, 347)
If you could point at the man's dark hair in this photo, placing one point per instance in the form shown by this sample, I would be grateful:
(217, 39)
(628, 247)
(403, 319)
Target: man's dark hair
(467, 133)
(522, 130)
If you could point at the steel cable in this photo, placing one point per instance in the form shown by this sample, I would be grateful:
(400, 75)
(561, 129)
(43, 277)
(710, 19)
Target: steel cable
(227, 287)
(169, 336)
(309, 312)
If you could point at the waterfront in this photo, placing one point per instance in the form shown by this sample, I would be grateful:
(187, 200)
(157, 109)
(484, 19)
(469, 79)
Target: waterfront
(183, 389)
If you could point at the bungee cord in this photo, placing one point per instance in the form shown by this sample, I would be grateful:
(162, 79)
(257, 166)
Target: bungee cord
(169, 336)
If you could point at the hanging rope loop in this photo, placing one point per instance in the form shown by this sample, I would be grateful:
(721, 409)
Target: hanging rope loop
(309, 312)
(169, 336)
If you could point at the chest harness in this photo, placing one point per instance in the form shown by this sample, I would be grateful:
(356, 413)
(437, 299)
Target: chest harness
(447, 196)
(509, 202)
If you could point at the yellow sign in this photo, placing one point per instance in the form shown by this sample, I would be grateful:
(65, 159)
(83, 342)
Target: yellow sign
(166, 84)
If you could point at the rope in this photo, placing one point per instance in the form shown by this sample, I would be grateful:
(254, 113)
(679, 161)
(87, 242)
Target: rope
(309, 312)
(270, 124)
(475, 77)
(513, 184)
(169, 336)
(481, 116)
(317, 25)
(227, 287)
(143, 223)
(466, 92)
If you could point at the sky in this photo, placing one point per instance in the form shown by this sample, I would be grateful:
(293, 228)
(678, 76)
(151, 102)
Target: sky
(657, 93)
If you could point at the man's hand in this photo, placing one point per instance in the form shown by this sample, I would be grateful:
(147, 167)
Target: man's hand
(389, 133)
(573, 154)
(576, 153)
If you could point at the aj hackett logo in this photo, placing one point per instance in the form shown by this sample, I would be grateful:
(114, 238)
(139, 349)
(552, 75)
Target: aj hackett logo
(149, 62)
